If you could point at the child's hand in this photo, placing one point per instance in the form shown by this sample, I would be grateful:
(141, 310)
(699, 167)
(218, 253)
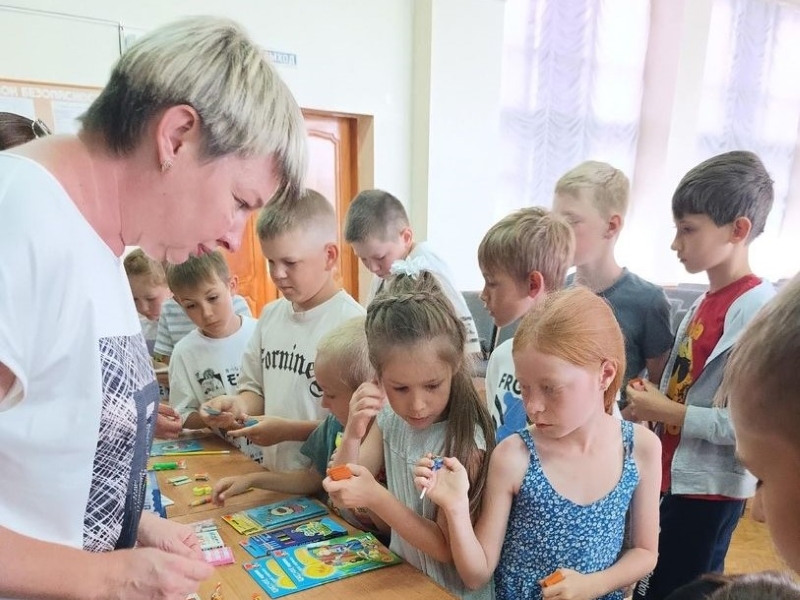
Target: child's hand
(365, 404)
(168, 422)
(223, 412)
(647, 403)
(229, 486)
(268, 431)
(446, 486)
(356, 492)
(573, 586)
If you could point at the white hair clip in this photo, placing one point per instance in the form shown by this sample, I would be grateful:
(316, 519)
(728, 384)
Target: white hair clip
(411, 267)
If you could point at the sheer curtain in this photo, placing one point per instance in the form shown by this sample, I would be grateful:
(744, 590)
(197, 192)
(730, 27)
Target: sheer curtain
(571, 89)
(751, 100)
(653, 88)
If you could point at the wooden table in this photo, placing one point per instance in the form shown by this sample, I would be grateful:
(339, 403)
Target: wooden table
(217, 466)
(400, 582)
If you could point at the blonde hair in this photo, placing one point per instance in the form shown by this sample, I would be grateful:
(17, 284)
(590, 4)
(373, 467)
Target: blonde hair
(527, 240)
(412, 310)
(345, 348)
(211, 64)
(762, 370)
(609, 186)
(196, 271)
(578, 326)
(138, 264)
(310, 211)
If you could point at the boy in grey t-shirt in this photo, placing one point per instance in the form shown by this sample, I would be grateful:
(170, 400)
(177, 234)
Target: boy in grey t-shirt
(594, 198)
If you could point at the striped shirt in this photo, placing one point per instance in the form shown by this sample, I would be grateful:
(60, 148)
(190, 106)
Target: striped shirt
(174, 324)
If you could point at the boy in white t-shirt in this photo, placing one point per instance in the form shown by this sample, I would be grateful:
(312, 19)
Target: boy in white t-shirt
(378, 229)
(277, 378)
(522, 257)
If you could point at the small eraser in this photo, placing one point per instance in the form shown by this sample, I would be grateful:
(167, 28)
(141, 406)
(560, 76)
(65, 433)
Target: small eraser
(340, 472)
(201, 490)
(552, 579)
(201, 477)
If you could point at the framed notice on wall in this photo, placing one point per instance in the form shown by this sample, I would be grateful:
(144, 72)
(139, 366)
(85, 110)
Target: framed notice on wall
(56, 104)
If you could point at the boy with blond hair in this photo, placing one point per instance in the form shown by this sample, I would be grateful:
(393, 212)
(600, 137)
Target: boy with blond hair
(378, 229)
(593, 197)
(719, 207)
(278, 378)
(522, 257)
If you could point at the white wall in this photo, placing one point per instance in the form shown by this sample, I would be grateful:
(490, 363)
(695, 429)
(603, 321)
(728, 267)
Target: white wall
(427, 70)
(462, 137)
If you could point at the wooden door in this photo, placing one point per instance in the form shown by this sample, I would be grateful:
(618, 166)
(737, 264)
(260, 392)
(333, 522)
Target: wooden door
(333, 169)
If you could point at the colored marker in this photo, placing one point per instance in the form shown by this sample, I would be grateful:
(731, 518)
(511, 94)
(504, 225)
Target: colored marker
(200, 501)
(169, 466)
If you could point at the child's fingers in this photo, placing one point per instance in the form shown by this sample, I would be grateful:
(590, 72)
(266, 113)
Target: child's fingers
(452, 463)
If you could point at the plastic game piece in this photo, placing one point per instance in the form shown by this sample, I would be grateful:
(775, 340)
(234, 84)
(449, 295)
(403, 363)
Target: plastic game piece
(552, 579)
(340, 472)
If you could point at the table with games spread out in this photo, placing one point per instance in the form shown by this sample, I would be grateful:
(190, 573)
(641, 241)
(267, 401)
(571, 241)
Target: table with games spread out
(217, 459)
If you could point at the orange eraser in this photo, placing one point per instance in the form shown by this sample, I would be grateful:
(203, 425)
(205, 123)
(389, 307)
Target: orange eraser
(340, 472)
(552, 579)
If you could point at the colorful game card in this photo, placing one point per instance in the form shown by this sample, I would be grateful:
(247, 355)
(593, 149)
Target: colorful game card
(314, 531)
(302, 567)
(275, 515)
(171, 446)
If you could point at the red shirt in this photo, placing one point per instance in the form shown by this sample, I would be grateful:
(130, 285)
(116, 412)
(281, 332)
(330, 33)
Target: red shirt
(701, 337)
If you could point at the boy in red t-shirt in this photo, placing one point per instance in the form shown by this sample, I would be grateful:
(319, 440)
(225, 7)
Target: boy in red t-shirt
(720, 206)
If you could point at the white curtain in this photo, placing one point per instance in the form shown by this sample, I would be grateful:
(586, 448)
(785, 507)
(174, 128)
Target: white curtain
(751, 100)
(653, 88)
(572, 85)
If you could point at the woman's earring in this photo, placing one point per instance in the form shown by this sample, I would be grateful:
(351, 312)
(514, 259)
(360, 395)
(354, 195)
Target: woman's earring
(166, 166)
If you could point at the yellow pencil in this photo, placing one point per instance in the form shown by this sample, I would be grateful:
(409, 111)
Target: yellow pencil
(198, 453)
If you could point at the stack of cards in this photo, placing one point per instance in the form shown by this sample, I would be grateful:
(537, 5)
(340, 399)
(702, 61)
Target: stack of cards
(215, 552)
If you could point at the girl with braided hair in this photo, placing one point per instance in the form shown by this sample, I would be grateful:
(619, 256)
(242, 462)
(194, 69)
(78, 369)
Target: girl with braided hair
(417, 347)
